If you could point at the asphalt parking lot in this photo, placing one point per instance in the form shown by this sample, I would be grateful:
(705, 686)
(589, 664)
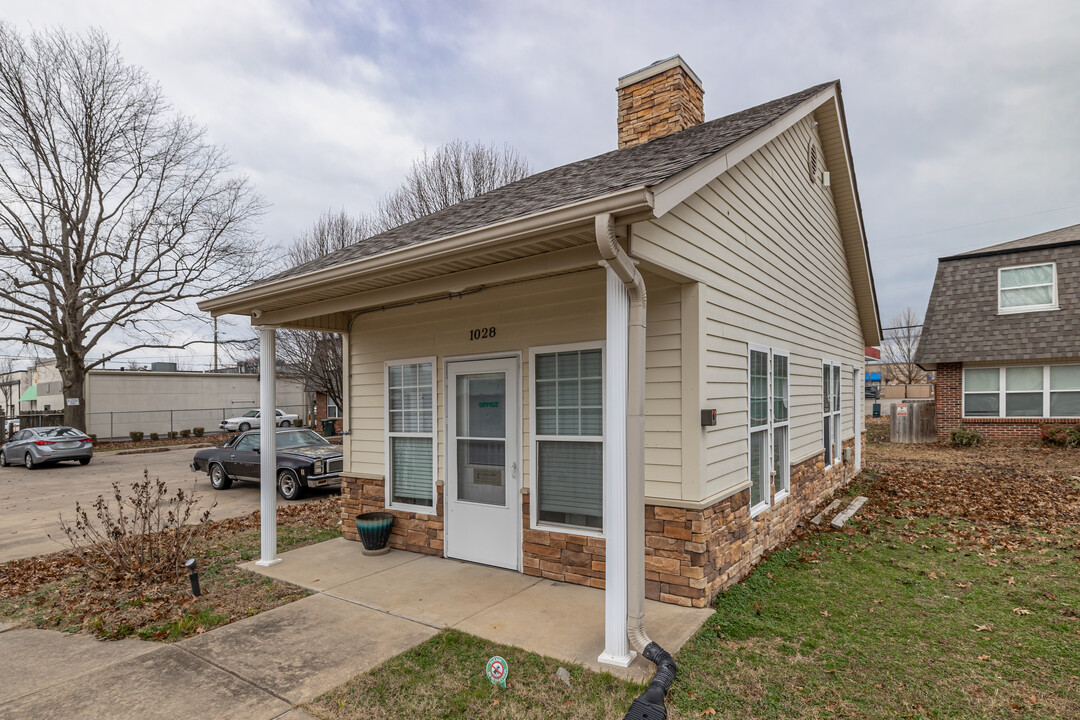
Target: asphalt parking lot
(31, 501)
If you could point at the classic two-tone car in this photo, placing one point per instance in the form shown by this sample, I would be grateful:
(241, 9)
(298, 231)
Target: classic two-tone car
(304, 460)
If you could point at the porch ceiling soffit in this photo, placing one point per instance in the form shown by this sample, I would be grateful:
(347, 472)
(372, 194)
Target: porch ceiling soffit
(582, 254)
(563, 228)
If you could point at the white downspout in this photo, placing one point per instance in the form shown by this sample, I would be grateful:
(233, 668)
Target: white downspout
(268, 446)
(621, 264)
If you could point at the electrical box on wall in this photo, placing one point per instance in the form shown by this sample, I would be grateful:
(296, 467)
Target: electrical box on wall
(708, 418)
(847, 454)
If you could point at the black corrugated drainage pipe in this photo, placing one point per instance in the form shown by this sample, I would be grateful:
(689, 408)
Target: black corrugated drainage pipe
(650, 706)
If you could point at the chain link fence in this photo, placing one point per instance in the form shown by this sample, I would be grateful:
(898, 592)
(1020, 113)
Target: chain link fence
(119, 424)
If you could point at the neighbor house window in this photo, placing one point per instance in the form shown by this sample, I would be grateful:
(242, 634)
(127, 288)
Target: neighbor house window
(769, 425)
(411, 442)
(1024, 391)
(1027, 287)
(568, 398)
(830, 413)
(332, 410)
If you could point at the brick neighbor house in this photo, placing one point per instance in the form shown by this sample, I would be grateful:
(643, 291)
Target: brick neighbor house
(635, 372)
(1002, 331)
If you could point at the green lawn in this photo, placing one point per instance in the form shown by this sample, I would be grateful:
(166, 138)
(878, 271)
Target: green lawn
(954, 594)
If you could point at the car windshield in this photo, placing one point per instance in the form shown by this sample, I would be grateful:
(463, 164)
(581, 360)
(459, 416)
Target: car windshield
(251, 413)
(299, 439)
(58, 432)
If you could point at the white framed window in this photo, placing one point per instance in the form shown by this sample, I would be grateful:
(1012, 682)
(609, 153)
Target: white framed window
(332, 410)
(830, 411)
(759, 428)
(567, 421)
(768, 425)
(1026, 288)
(1023, 391)
(781, 422)
(411, 436)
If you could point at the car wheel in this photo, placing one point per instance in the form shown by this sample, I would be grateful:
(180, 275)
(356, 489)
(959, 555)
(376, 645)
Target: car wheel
(218, 479)
(289, 487)
(244, 427)
(28, 461)
(286, 423)
(3, 459)
(84, 461)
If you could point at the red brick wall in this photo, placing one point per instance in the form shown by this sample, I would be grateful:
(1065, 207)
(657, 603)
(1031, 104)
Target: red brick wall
(690, 555)
(949, 390)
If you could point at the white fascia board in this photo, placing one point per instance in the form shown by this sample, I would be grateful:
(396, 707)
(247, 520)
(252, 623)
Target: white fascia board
(564, 216)
(679, 187)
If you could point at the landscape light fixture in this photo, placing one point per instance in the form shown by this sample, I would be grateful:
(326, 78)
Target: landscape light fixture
(193, 576)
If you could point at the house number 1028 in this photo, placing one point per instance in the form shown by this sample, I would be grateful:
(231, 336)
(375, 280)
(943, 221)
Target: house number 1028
(482, 333)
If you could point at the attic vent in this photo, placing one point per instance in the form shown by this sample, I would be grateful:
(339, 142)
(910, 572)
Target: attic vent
(812, 161)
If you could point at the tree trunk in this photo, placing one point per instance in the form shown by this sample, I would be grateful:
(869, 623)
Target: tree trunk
(73, 380)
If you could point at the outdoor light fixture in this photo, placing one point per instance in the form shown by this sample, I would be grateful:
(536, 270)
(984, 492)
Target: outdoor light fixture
(193, 576)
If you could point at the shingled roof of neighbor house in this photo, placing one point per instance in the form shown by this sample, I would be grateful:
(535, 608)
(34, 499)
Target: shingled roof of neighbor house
(962, 322)
(645, 165)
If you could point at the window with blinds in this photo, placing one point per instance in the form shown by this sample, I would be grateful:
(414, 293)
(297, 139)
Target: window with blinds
(411, 440)
(568, 395)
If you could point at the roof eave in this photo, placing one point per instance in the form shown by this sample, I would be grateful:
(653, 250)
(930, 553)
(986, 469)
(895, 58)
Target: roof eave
(619, 203)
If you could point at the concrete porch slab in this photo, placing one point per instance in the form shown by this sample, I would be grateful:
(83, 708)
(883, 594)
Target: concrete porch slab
(329, 564)
(566, 622)
(40, 652)
(165, 683)
(436, 591)
(303, 649)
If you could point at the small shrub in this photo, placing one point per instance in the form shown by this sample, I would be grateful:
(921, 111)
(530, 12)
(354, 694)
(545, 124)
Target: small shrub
(198, 431)
(93, 437)
(1054, 434)
(172, 434)
(136, 435)
(1073, 437)
(154, 436)
(146, 536)
(964, 437)
(185, 433)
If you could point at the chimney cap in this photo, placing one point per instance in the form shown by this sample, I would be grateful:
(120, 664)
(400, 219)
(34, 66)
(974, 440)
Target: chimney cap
(655, 69)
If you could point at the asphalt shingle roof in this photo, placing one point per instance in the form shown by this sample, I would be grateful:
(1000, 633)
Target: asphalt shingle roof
(962, 322)
(646, 165)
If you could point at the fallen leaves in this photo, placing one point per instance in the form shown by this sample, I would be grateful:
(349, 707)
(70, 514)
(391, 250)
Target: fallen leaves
(1021, 611)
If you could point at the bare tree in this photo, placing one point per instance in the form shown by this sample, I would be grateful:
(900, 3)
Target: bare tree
(901, 340)
(452, 173)
(7, 369)
(115, 212)
(456, 171)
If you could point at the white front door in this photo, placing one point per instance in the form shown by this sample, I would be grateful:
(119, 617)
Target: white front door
(483, 459)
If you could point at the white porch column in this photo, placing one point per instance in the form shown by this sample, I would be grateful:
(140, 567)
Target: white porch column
(346, 402)
(268, 446)
(860, 411)
(616, 358)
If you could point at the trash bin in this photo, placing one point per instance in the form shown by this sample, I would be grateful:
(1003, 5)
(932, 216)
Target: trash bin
(328, 426)
(877, 410)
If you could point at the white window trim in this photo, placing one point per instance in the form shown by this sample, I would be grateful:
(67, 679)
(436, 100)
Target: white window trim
(836, 434)
(766, 501)
(534, 439)
(388, 496)
(1002, 393)
(773, 424)
(1052, 305)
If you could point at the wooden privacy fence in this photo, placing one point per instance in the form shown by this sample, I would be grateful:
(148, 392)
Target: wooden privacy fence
(913, 422)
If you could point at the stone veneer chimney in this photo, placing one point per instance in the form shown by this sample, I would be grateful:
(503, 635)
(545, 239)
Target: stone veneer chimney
(658, 100)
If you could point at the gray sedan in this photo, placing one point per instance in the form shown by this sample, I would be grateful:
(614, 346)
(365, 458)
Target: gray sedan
(38, 446)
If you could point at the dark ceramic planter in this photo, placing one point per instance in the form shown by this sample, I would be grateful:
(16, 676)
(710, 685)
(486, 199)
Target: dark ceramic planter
(374, 529)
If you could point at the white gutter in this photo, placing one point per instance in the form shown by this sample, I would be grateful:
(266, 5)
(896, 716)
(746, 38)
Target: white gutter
(565, 216)
(621, 264)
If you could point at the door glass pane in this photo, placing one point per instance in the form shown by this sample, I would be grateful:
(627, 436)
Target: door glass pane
(481, 405)
(481, 471)
(1023, 378)
(981, 380)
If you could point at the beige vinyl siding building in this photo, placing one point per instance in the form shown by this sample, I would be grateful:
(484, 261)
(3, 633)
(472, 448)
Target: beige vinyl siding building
(495, 358)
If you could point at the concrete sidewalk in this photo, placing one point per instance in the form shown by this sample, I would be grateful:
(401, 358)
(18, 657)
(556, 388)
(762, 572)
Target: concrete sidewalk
(365, 611)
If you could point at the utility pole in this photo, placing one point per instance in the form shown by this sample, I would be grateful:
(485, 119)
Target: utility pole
(215, 345)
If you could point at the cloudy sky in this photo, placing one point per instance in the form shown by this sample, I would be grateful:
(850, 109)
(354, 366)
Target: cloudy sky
(963, 116)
